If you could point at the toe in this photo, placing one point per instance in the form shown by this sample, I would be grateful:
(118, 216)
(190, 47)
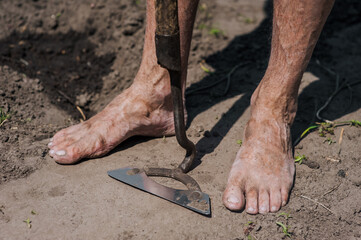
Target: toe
(275, 200)
(252, 201)
(52, 153)
(263, 201)
(67, 155)
(233, 197)
(50, 144)
(284, 196)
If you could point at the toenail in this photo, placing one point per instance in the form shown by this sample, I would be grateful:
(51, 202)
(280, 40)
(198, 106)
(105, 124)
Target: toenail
(263, 209)
(284, 203)
(60, 153)
(50, 144)
(274, 209)
(233, 199)
(51, 151)
(250, 209)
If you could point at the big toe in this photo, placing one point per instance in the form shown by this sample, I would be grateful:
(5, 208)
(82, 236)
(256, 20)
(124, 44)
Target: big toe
(65, 152)
(233, 198)
(64, 155)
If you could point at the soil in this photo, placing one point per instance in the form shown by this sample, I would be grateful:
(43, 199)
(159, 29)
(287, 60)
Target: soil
(56, 55)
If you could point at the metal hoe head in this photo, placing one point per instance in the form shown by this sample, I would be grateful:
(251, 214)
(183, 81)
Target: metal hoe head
(192, 198)
(167, 44)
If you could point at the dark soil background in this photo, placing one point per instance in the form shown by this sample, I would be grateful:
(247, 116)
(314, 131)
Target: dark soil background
(55, 55)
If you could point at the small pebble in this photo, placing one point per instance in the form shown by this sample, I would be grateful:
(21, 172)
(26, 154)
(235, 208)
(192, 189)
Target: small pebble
(200, 128)
(341, 173)
(207, 134)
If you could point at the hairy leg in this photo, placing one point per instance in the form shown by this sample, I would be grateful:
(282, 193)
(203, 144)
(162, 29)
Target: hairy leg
(263, 171)
(143, 109)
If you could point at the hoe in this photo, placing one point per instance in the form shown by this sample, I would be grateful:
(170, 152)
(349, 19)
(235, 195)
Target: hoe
(167, 43)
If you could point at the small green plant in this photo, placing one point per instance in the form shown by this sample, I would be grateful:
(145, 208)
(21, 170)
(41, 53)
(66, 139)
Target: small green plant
(204, 68)
(33, 212)
(28, 222)
(355, 123)
(216, 32)
(329, 141)
(247, 20)
(326, 127)
(249, 226)
(239, 142)
(286, 215)
(299, 158)
(285, 229)
(249, 223)
(3, 116)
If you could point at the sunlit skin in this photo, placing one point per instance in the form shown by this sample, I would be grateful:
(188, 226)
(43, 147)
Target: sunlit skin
(262, 173)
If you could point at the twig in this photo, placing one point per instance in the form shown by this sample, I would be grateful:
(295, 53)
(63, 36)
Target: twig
(3, 122)
(332, 159)
(341, 136)
(72, 102)
(66, 97)
(333, 95)
(338, 88)
(328, 101)
(81, 112)
(228, 77)
(24, 62)
(330, 191)
(322, 205)
(340, 142)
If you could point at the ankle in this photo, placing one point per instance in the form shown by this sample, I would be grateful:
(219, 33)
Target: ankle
(273, 102)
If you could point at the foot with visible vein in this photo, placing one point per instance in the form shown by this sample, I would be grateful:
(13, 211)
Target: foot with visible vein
(143, 109)
(262, 174)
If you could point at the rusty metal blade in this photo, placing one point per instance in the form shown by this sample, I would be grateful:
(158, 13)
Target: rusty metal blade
(194, 200)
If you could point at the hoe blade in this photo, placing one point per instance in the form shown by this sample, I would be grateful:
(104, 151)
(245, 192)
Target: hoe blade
(192, 199)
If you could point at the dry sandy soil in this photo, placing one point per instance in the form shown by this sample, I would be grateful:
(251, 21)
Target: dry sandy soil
(89, 51)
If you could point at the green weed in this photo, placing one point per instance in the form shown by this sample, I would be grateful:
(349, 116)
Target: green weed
(205, 69)
(239, 142)
(247, 20)
(28, 222)
(286, 215)
(355, 123)
(329, 141)
(3, 116)
(328, 128)
(285, 229)
(216, 32)
(299, 158)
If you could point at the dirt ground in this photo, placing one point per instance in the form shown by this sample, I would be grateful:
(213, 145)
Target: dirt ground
(58, 54)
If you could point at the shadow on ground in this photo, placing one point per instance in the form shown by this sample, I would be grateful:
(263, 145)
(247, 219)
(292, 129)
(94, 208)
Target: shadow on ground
(62, 62)
(67, 62)
(253, 50)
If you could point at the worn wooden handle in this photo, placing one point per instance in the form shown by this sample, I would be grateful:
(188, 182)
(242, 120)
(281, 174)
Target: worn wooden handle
(166, 15)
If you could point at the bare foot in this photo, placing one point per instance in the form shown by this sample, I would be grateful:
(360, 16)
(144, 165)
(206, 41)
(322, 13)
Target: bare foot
(262, 173)
(143, 109)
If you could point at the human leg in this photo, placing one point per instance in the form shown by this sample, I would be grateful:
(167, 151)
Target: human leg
(145, 108)
(263, 171)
